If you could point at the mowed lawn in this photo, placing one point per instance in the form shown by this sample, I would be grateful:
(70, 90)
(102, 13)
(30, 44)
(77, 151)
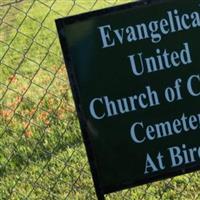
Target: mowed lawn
(42, 155)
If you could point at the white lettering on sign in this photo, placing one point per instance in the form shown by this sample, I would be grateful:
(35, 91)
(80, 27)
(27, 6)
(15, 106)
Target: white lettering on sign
(179, 155)
(154, 30)
(182, 155)
(194, 79)
(162, 61)
(141, 101)
(141, 132)
(148, 98)
(143, 64)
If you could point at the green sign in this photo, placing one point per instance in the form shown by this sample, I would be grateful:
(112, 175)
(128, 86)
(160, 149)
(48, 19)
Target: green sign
(135, 76)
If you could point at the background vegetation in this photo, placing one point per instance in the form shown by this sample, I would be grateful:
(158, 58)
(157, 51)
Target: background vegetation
(41, 150)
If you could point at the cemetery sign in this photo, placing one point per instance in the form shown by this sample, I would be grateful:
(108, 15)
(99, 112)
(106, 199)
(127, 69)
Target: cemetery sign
(135, 76)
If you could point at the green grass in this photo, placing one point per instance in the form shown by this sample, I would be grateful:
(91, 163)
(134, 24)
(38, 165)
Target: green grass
(42, 155)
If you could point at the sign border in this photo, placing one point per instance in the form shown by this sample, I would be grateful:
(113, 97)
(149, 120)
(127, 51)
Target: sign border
(75, 91)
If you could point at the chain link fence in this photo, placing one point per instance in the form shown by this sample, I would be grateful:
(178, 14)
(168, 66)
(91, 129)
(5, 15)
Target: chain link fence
(42, 155)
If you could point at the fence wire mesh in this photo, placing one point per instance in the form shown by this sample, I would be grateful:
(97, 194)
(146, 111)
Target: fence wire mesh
(42, 155)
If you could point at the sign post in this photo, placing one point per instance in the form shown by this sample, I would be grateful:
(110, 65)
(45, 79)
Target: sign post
(134, 71)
